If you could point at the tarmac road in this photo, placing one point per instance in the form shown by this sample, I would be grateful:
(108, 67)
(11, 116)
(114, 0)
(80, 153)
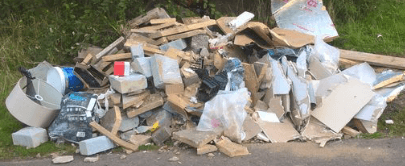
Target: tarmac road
(351, 152)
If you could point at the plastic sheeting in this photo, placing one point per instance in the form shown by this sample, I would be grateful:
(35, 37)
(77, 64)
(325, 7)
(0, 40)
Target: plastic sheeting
(327, 54)
(226, 111)
(364, 72)
(306, 16)
(72, 123)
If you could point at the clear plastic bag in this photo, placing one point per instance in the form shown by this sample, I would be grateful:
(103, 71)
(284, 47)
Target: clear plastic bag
(327, 54)
(225, 111)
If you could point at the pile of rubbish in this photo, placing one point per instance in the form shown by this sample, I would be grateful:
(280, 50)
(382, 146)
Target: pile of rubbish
(210, 84)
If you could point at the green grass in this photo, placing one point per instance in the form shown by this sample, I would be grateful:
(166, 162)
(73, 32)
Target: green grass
(360, 22)
(396, 129)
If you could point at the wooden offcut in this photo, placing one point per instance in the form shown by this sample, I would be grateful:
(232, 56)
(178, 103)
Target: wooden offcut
(186, 34)
(162, 20)
(117, 57)
(182, 29)
(374, 59)
(118, 120)
(113, 137)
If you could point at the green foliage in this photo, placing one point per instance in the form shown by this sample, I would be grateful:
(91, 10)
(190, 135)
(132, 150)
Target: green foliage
(369, 26)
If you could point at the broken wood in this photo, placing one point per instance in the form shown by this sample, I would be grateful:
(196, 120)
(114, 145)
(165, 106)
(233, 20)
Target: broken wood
(110, 47)
(349, 131)
(150, 31)
(222, 24)
(118, 120)
(162, 20)
(117, 57)
(181, 29)
(154, 101)
(158, 27)
(151, 51)
(374, 59)
(186, 34)
(87, 59)
(113, 137)
(128, 101)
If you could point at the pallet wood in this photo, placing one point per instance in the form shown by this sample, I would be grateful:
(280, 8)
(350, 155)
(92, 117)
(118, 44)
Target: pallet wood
(186, 34)
(110, 47)
(181, 29)
(117, 57)
(162, 20)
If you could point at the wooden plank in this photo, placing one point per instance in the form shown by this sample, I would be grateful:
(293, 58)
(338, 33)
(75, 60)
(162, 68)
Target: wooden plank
(143, 31)
(128, 101)
(154, 101)
(113, 137)
(162, 20)
(374, 59)
(110, 47)
(87, 59)
(186, 34)
(181, 29)
(222, 24)
(161, 40)
(161, 26)
(117, 122)
(117, 57)
(349, 131)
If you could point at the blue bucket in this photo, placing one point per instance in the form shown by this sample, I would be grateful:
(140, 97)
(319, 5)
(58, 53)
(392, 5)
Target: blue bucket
(63, 79)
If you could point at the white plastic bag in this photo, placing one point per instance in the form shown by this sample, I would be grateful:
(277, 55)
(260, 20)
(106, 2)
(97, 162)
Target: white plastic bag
(225, 111)
(327, 54)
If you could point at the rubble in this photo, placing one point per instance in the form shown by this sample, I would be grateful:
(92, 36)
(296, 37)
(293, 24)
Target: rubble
(206, 149)
(62, 159)
(194, 138)
(204, 82)
(131, 83)
(95, 145)
(231, 149)
(91, 159)
(30, 137)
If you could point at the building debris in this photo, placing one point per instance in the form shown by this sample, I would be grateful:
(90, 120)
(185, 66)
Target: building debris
(62, 159)
(203, 82)
(231, 149)
(30, 137)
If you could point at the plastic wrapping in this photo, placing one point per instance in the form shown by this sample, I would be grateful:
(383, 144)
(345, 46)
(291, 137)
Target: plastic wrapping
(72, 123)
(373, 110)
(390, 93)
(280, 83)
(301, 103)
(302, 66)
(235, 72)
(364, 72)
(306, 16)
(387, 77)
(283, 51)
(165, 70)
(327, 54)
(226, 111)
